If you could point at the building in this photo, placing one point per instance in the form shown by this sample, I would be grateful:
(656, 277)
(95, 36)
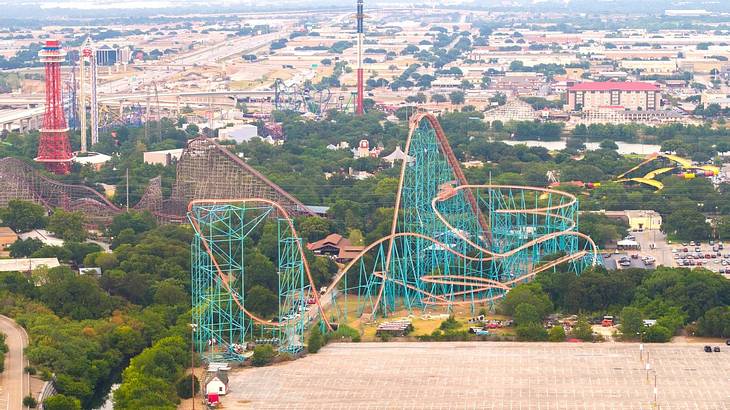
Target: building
(629, 95)
(93, 159)
(42, 235)
(108, 56)
(7, 238)
(620, 115)
(239, 133)
(336, 246)
(164, 157)
(517, 82)
(723, 100)
(217, 383)
(650, 67)
(640, 219)
(27, 264)
(363, 150)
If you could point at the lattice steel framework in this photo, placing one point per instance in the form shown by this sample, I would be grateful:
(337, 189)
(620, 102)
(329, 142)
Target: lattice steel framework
(451, 244)
(54, 149)
(458, 244)
(220, 284)
(299, 99)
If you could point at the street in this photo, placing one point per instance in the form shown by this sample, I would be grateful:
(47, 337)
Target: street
(662, 252)
(13, 381)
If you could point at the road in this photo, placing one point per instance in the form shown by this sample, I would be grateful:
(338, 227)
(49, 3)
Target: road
(662, 253)
(14, 383)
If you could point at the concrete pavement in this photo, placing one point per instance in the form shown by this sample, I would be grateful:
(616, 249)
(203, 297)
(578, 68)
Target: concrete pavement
(14, 383)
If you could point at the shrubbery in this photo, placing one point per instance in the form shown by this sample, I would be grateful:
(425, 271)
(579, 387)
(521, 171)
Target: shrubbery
(556, 334)
(262, 355)
(316, 340)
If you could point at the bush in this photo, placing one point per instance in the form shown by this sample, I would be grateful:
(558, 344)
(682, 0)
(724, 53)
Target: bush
(30, 401)
(343, 332)
(262, 355)
(582, 330)
(61, 402)
(656, 334)
(30, 370)
(556, 334)
(533, 332)
(316, 340)
(450, 324)
(183, 387)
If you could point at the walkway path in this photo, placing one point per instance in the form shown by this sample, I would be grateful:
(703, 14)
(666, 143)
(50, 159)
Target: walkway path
(14, 383)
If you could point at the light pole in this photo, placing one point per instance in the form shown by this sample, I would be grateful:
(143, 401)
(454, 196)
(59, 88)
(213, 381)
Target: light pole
(193, 328)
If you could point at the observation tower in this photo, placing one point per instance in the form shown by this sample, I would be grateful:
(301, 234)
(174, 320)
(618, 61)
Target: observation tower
(54, 149)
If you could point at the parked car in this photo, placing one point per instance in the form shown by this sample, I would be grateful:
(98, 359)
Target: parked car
(708, 349)
(716, 349)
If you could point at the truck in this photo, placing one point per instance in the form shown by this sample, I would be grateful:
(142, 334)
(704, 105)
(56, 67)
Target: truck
(607, 321)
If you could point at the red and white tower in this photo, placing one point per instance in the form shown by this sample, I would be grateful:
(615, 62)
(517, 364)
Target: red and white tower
(54, 149)
(359, 109)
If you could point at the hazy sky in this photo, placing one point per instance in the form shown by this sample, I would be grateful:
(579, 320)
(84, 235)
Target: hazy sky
(44, 9)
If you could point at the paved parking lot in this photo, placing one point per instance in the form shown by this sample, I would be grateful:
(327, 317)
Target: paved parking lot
(497, 375)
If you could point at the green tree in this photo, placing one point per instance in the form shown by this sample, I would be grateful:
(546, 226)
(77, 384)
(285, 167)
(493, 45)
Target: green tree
(438, 98)
(64, 286)
(192, 130)
(534, 332)
(457, 97)
(68, 225)
(137, 221)
(631, 323)
(262, 355)
(687, 224)
(556, 334)
(22, 248)
(185, 386)
(262, 301)
(531, 294)
(61, 402)
(608, 144)
(582, 330)
(656, 334)
(316, 340)
(715, 322)
(23, 216)
(525, 314)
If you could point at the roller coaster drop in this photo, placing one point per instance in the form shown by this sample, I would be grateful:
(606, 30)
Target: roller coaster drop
(442, 252)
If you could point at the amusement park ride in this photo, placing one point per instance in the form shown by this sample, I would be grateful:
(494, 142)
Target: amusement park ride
(451, 244)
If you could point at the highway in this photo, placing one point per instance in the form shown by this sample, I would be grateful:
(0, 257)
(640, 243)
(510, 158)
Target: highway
(14, 383)
(122, 89)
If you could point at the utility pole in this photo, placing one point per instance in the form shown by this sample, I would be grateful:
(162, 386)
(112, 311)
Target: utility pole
(193, 328)
(127, 174)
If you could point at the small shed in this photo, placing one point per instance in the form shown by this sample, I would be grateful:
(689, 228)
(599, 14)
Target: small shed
(217, 383)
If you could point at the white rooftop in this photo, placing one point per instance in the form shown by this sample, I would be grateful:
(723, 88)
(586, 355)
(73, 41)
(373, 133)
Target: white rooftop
(25, 264)
(92, 158)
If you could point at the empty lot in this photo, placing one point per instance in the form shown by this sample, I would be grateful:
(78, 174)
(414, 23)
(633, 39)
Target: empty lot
(488, 375)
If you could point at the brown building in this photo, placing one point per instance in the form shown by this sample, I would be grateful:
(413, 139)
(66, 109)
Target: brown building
(335, 246)
(629, 95)
(7, 237)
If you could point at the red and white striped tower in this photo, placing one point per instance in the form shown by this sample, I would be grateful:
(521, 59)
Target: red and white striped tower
(54, 149)
(359, 110)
